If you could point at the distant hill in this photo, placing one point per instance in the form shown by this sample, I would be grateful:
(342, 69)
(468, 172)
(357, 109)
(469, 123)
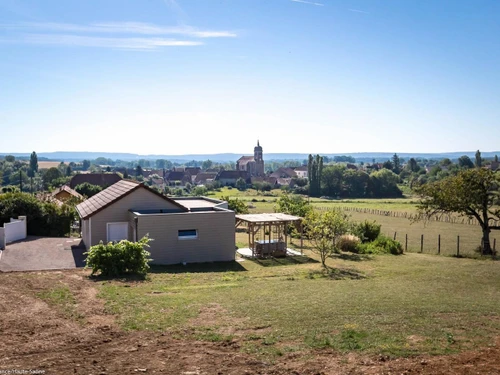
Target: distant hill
(228, 157)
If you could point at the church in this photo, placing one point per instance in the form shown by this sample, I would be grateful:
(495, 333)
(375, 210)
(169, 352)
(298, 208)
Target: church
(254, 165)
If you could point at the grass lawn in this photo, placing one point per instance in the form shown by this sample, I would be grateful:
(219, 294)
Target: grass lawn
(398, 305)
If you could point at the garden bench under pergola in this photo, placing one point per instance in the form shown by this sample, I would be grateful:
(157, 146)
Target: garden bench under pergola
(272, 233)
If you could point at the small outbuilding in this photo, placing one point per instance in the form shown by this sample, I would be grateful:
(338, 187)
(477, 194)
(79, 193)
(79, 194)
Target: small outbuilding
(189, 230)
(268, 234)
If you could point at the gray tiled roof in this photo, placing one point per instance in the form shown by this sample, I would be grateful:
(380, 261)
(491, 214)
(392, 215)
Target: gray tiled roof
(102, 179)
(110, 195)
(106, 197)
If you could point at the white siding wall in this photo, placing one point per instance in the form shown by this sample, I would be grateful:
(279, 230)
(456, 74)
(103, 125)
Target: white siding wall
(215, 242)
(86, 233)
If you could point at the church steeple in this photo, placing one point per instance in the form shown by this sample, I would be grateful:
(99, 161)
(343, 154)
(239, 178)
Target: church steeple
(257, 152)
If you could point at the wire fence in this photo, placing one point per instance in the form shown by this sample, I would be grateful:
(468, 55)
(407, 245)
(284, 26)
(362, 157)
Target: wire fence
(445, 235)
(412, 216)
(440, 244)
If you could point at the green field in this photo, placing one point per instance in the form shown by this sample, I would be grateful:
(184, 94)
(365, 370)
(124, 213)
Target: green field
(470, 235)
(398, 305)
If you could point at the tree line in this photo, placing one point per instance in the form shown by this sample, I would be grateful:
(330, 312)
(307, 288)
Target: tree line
(340, 181)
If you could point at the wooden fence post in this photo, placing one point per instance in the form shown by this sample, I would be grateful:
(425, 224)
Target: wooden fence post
(439, 244)
(395, 233)
(406, 242)
(458, 246)
(421, 243)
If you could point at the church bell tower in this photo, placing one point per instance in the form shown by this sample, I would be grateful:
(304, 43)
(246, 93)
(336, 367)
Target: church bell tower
(259, 160)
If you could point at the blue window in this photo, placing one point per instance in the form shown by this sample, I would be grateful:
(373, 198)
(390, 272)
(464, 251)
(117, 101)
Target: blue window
(188, 234)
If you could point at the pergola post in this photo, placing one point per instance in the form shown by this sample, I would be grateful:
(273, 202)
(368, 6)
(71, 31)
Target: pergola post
(301, 239)
(249, 228)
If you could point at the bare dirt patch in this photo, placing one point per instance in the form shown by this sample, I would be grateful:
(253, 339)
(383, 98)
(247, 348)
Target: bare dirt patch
(36, 333)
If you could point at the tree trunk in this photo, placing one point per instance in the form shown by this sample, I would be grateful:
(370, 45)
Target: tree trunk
(486, 245)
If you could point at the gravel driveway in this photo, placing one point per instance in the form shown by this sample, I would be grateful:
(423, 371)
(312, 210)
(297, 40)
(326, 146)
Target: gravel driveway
(43, 253)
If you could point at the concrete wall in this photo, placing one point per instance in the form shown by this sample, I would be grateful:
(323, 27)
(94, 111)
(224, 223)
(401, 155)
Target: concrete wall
(215, 242)
(140, 199)
(16, 230)
(2, 239)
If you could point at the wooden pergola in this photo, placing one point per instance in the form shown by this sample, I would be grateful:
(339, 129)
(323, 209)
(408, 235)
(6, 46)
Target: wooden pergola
(274, 241)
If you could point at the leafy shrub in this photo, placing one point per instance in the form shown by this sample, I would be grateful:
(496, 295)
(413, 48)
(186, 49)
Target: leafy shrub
(367, 231)
(382, 245)
(88, 189)
(44, 218)
(117, 259)
(235, 205)
(293, 205)
(348, 242)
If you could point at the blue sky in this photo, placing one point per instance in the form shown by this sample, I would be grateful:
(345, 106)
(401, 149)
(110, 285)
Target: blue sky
(211, 76)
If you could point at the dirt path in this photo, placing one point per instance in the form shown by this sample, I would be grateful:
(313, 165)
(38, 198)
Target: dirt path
(85, 340)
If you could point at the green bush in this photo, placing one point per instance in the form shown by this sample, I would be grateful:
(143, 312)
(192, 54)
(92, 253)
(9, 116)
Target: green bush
(348, 242)
(88, 189)
(367, 231)
(117, 259)
(44, 218)
(236, 205)
(382, 245)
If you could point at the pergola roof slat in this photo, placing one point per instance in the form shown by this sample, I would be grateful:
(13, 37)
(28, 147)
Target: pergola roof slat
(267, 218)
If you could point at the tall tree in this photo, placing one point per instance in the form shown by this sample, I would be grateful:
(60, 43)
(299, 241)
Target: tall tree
(138, 171)
(309, 171)
(396, 164)
(413, 165)
(315, 171)
(472, 193)
(85, 165)
(33, 164)
(160, 163)
(51, 174)
(465, 162)
(479, 161)
(207, 164)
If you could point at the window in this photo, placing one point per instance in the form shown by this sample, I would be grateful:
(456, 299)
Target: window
(188, 234)
(117, 231)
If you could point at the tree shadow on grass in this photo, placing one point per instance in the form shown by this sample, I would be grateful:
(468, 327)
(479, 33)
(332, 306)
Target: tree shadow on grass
(353, 257)
(286, 261)
(336, 274)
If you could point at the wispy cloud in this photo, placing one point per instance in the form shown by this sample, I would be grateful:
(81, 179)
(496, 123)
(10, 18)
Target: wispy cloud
(357, 11)
(120, 28)
(126, 35)
(308, 2)
(102, 42)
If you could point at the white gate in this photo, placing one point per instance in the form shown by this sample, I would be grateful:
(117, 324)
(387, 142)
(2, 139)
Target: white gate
(14, 231)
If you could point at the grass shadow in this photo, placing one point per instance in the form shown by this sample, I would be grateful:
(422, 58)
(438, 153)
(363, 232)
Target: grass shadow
(127, 278)
(175, 268)
(286, 261)
(199, 267)
(353, 257)
(336, 274)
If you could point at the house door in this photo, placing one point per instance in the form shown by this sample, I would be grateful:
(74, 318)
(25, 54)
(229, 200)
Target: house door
(117, 232)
